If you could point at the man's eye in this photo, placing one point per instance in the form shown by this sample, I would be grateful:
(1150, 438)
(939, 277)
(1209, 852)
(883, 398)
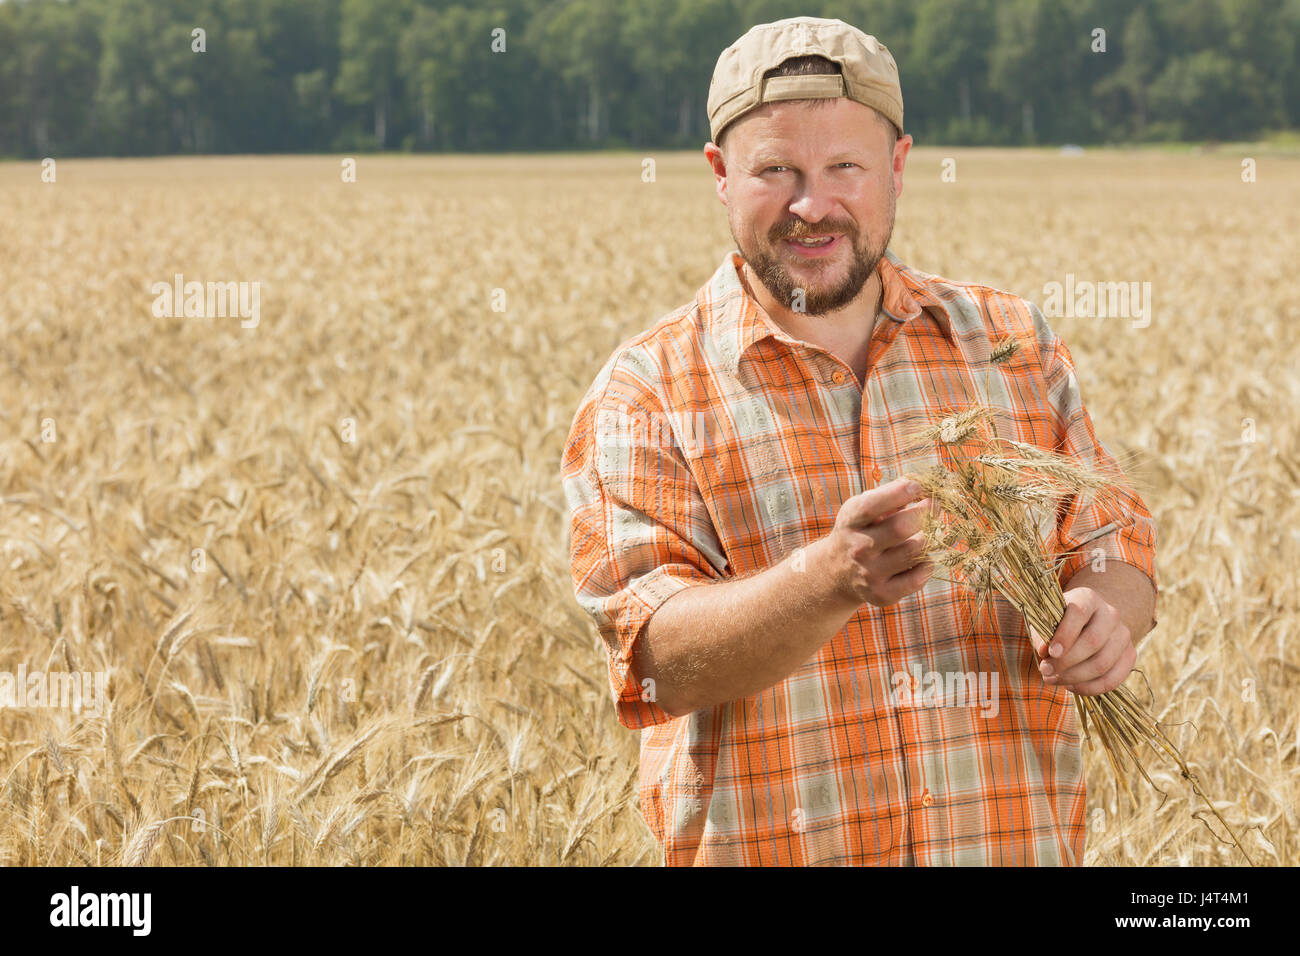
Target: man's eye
(770, 169)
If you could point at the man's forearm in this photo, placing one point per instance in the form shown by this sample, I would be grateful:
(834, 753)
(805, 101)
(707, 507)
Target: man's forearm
(713, 643)
(1127, 589)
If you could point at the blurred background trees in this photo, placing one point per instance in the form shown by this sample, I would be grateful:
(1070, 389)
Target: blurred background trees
(123, 77)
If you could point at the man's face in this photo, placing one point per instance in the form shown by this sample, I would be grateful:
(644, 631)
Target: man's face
(797, 170)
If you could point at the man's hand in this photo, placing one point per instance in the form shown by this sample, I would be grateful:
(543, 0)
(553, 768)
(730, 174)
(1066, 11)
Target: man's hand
(1092, 650)
(875, 554)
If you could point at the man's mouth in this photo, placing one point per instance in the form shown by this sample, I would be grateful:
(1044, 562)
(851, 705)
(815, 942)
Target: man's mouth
(813, 246)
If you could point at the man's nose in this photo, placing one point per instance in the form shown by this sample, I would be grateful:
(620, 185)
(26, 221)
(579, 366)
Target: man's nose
(813, 204)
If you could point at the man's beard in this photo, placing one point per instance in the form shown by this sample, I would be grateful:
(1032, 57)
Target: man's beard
(820, 299)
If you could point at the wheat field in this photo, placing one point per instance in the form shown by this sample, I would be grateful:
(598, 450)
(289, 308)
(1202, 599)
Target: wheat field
(322, 559)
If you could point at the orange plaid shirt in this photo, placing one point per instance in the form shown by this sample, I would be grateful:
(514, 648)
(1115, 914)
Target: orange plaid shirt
(713, 445)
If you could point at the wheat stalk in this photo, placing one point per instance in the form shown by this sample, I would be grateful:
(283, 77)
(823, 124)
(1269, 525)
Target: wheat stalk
(990, 506)
(142, 844)
(146, 838)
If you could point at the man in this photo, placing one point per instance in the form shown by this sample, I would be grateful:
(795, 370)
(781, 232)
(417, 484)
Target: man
(754, 572)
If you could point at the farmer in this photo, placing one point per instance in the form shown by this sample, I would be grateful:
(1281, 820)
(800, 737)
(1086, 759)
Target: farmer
(741, 537)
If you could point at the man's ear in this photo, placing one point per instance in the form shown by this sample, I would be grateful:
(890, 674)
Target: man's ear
(718, 163)
(901, 149)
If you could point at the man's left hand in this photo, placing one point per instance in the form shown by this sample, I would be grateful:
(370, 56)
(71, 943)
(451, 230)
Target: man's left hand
(1092, 650)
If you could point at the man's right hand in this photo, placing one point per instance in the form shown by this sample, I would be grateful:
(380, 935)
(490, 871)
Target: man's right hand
(874, 552)
(711, 643)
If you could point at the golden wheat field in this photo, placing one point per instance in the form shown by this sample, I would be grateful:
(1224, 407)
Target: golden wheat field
(322, 560)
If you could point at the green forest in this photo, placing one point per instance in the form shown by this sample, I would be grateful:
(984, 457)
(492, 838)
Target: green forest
(149, 77)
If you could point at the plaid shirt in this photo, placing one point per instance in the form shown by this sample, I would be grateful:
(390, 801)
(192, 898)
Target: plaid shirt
(711, 446)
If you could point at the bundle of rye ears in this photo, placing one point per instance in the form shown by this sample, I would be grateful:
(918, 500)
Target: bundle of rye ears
(984, 530)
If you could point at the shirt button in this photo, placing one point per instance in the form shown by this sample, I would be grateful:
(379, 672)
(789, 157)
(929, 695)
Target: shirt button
(838, 378)
(876, 474)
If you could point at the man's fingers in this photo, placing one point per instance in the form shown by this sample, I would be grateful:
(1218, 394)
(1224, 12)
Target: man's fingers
(1040, 645)
(1112, 678)
(1067, 632)
(903, 556)
(907, 582)
(877, 503)
(1098, 665)
(899, 527)
(1091, 639)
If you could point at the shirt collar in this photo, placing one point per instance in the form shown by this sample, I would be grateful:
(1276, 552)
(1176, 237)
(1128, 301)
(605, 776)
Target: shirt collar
(736, 322)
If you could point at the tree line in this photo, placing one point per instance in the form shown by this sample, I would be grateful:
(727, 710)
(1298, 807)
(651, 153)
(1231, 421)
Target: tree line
(144, 77)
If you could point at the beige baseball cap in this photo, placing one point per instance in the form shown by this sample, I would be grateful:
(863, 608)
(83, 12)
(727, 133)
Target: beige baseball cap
(868, 73)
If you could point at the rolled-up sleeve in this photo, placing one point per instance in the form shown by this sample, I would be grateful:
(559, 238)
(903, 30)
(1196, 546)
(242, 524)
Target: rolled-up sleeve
(1119, 528)
(639, 528)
